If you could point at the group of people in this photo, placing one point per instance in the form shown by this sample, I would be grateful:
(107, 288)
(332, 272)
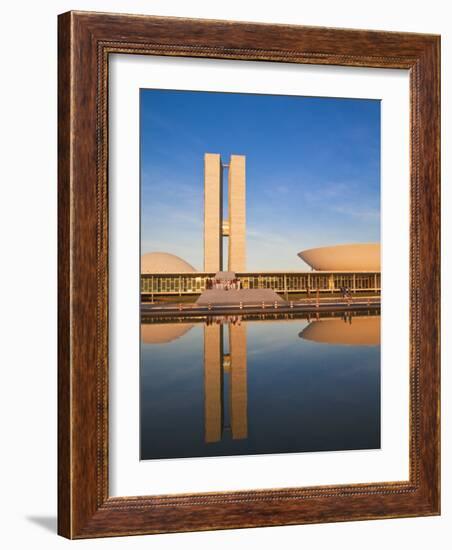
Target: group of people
(346, 292)
(227, 284)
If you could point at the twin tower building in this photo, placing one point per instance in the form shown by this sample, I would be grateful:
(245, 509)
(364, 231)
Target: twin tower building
(216, 224)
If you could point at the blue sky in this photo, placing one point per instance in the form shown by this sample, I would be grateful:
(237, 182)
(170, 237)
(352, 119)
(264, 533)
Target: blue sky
(312, 166)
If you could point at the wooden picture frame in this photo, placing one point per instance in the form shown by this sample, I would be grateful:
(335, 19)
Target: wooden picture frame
(85, 42)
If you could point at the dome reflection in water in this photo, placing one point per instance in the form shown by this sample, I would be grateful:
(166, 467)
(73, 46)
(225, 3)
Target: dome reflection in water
(230, 386)
(349, 330)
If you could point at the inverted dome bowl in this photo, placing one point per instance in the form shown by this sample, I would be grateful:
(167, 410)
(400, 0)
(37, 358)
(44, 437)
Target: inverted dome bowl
(343, 257)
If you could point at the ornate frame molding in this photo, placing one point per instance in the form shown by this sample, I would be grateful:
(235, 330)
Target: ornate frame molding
(85, 42)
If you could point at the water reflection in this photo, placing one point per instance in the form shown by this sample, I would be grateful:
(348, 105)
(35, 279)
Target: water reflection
(162, 334)
(351, 331)
(230, 385)
(218, 365)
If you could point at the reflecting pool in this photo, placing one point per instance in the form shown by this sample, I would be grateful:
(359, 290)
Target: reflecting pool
(275, 384)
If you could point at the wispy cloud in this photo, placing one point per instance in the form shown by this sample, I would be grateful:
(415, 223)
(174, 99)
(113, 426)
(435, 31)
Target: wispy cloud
(329, 191)
(357, 211)
(264, 235)
(172, 219)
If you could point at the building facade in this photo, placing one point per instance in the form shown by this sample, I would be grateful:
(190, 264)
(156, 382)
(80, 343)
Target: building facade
(216, 226)
(282, 282)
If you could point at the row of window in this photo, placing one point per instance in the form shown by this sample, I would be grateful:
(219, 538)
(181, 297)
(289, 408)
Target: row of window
(186, 284)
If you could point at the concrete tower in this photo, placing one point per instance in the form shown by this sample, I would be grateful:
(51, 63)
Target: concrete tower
(215, 227)
(237, 214)
(213, 210)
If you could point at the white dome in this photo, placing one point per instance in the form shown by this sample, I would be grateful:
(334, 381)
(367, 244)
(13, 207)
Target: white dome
(162, 262)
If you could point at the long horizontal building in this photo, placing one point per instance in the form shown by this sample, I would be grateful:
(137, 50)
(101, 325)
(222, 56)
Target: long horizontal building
(167, 274)
(282, 282)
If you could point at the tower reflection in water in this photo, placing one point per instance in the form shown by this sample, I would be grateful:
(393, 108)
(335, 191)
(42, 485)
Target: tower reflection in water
(225, 377)
(324, 389)
(221, 368)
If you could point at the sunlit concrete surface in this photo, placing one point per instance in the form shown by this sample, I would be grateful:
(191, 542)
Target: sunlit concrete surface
(237, 214)
(235, 297)
(163, 262)
(234, 225)
(213, 212)
(344, 257)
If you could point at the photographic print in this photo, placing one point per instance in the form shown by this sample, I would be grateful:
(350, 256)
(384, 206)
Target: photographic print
(260, 274)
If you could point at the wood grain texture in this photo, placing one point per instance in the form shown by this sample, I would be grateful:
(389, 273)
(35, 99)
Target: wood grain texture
(64, 295)
(85, 42)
